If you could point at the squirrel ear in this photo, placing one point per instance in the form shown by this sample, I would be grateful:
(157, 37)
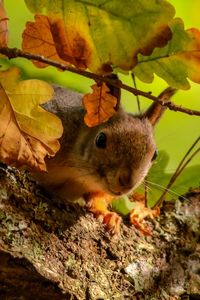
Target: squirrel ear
(155, 111)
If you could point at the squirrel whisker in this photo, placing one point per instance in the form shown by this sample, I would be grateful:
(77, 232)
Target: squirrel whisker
(162, 188)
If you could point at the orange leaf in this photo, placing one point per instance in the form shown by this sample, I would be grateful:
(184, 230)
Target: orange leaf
(100, 105)
(3, 26)
(38, 39)
(47, 36)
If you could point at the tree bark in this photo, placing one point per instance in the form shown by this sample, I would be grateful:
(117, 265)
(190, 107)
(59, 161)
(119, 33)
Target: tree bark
(55, 250)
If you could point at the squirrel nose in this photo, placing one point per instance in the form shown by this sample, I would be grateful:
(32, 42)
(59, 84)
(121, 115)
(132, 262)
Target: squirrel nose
(125, 178)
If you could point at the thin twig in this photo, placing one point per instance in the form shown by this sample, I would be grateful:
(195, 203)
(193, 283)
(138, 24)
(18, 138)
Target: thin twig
(186, 155)
(187, 161)
(178, 171)
(14, 53)
(137, 97)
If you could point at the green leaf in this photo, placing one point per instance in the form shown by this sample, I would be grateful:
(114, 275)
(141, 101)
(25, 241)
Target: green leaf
(100, 34)
(123, 205)
(158, 179)
(177, 61)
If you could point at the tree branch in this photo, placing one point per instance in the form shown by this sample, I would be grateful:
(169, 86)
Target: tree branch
(51, 249)
(14, 53)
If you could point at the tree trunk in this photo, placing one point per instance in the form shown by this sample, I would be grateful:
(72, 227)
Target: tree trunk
(55, 250)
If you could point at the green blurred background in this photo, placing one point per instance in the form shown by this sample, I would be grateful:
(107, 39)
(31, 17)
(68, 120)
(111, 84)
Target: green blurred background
(175, 133)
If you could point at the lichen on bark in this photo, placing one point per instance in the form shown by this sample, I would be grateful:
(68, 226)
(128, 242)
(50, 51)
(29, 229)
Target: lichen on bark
(55, 250)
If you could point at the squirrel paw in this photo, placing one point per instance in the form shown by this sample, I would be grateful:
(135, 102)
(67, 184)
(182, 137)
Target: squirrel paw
(112, 222)
(110, 219)
(97, 203)
(139, 213)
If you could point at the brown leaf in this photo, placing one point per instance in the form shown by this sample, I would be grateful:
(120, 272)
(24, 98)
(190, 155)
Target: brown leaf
(47, 36)
(100, 105)
(70, 45)
(3, 26)
(38, 39)
(28, 133)
(16, 147)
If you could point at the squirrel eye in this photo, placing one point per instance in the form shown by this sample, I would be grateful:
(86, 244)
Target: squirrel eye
(101, 140)
(155, 155)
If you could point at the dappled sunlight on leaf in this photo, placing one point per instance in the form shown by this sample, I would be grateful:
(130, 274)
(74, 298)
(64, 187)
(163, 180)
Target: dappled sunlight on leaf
(98, 35)
(177, 61)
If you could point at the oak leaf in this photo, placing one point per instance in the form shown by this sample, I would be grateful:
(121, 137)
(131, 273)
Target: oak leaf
(177, 61)
(100, 105)
(38, 39)
(27, 132)
(3, 26)
(100, 35)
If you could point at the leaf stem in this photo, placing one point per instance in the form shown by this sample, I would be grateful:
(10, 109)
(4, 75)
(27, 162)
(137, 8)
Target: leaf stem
(183, 163)
(14, 53)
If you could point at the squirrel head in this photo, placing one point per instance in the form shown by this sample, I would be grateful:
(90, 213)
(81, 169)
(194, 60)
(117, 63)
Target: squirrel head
(119, 152)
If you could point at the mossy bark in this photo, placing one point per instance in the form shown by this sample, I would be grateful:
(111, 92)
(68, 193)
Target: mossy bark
(55, 250)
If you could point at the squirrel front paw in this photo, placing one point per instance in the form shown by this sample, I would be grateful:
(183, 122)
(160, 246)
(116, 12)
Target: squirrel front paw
(97, 203)
(140, 213)
(112, 222)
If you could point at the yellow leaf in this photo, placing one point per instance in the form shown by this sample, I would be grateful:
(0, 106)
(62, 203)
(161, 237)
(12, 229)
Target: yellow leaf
(177, 62)
(100, 105)
(27, 132)
(9, 78)
(98, 35)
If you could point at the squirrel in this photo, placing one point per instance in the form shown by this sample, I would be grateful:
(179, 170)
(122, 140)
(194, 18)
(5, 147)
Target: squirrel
(103, 162)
